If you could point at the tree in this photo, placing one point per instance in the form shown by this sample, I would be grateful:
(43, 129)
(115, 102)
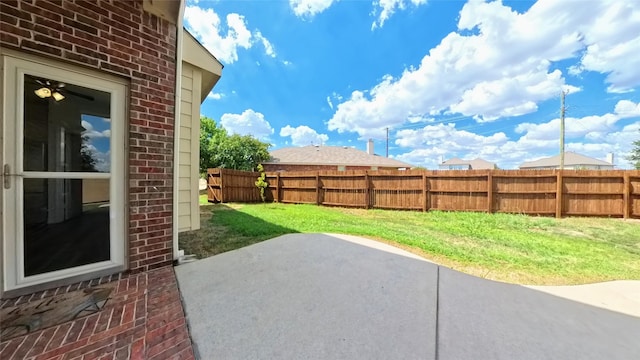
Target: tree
(635, 155)
(218, 149)
(211, 135)
(87, 157)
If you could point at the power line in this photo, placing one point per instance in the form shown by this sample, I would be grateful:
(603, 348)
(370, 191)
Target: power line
(417, 125)
(470, 127)
(562, 111)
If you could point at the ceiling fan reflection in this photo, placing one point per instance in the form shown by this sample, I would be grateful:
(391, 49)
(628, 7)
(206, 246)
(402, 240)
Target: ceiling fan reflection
(56, 90)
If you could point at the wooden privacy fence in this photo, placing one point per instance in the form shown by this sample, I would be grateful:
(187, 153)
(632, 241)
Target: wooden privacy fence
(605, 193)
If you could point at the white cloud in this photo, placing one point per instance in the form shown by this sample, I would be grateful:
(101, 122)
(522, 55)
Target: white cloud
(592, 127)
(329, 102)
(248, 123)
(91, 133)
(444, 140)
(287, 63)
(626, 108)
(382, 9)
(621, 143)
(480, 101)
(594, 136)
(388, 7)
(419, 119)
(102, 159)
(268, 48)
(618, 143)
(499, 64)
(309, 8)
(447, 134)
(215, 96)
(613, 40)
(207, 26)
(303, 135)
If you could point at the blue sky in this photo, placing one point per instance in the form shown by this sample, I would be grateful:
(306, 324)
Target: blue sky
(448, 78)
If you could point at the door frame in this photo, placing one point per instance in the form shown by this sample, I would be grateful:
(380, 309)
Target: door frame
(14, 66)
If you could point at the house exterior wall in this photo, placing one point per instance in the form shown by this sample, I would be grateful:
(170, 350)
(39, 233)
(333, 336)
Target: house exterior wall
(119, 38)
(189, 150)
(289, 167)
(455, 167)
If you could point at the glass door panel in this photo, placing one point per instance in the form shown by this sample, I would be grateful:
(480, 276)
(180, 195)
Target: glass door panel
(66, 175)
(66, 223)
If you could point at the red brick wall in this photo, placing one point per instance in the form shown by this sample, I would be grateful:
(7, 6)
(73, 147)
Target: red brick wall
(285, 167)
(120, 38)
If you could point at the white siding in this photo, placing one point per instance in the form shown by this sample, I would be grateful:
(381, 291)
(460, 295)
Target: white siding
(189, 152)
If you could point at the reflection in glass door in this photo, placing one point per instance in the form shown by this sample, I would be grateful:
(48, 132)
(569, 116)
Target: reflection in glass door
(66, 175)
(63, 149)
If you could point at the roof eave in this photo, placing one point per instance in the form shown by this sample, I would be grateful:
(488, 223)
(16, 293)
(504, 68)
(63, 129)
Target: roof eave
(197, 55)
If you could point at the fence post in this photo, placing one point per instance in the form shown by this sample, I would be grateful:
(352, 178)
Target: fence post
(490, 191)
(209, 187)
(626, 197)
(318, 188)
(559, 191)
(367, 190)
(425, 192)
(221, 186)
(277, 187)
(428, 187)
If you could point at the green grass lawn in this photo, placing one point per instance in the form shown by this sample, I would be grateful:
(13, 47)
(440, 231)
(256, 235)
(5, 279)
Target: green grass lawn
(511, 248)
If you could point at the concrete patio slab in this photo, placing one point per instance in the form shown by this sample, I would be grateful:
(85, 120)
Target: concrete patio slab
(482, 319)
(622, 296)
(311, 297)
(322, 296)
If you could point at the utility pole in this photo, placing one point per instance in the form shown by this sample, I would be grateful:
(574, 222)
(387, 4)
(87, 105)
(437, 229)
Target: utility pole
(562, 112)
(387, 141)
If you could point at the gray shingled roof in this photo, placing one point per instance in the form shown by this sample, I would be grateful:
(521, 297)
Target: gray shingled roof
(456, 161)
(331, 155)
(570, 159)
(475, 163)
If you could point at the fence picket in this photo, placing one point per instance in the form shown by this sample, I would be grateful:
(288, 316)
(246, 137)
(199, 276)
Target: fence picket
(611, 193)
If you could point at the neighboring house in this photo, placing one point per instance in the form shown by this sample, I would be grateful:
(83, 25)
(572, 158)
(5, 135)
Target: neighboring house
(100, 133)
(459, 164)
(314, 157)
(572, 160)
